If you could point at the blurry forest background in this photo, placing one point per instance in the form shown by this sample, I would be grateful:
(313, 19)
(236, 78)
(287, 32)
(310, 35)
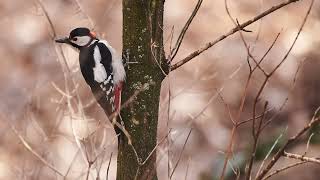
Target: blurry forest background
(33, 99)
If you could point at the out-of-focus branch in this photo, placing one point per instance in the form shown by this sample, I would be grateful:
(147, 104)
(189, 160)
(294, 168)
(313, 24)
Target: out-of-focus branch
(83, 12)
(107, 175)
(231, 32)
(66, 72)
(30, 149)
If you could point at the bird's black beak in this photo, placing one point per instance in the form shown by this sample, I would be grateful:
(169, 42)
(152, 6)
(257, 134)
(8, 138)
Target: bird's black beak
(63, 40)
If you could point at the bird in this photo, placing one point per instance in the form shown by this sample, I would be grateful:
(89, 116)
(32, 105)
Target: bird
(101, 68)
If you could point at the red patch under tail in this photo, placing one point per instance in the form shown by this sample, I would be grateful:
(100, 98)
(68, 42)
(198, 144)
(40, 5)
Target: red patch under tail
(118, 89)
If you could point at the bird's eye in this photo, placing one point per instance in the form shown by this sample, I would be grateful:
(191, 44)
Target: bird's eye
(74, 39)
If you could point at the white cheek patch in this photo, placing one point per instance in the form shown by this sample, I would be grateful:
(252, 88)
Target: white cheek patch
(99, 72)
(82, 40)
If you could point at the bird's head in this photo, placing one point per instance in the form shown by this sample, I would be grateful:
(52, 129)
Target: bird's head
(79, 37)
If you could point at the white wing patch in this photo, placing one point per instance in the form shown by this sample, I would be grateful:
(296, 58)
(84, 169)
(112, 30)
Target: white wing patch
(119, 74)
(99, 72)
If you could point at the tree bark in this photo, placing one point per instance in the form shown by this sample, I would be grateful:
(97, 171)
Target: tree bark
(142, 43)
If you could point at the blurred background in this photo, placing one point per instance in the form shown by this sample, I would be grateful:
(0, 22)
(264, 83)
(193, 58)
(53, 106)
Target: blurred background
(35, 101)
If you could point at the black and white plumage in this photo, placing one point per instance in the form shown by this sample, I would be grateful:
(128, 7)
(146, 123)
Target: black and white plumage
(101, 68)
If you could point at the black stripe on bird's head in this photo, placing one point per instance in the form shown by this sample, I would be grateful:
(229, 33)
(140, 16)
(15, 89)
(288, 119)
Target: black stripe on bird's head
(79, 37)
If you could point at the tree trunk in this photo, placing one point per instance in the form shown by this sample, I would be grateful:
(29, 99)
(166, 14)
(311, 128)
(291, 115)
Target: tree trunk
(142, 43)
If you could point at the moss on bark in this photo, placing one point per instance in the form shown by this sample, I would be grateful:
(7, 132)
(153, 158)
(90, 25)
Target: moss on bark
(142, 43)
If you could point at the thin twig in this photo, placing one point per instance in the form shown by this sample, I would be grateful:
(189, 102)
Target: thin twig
(61, 91)
(71, 164)
(175, 50)
(88, 171)
(187, 170)
(155, 148)
(184, 146)
(227, 107)
(283, 169)
(249, 53)
(234, 128)
(250, 119)
(256, 134)
(268, 51)
(301, 157)
(271, 149)
(152, 47)
(308, 144)
(287, 98)
(83, 12)
(107, 175)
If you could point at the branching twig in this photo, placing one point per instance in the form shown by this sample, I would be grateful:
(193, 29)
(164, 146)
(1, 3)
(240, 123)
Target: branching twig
(256, 134)
(280, 152)
(287, 98)
(301, 157)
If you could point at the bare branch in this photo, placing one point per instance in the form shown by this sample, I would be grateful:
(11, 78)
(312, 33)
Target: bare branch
(315, 120)
(231, 32)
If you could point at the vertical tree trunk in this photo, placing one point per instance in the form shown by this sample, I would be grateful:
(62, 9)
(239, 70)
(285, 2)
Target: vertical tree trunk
(142, 43)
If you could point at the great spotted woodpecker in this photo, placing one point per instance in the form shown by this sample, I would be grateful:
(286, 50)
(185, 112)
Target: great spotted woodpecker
(100, 66)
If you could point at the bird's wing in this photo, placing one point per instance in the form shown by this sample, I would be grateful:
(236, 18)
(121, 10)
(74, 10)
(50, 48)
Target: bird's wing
(106, 57)
(105, 95)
